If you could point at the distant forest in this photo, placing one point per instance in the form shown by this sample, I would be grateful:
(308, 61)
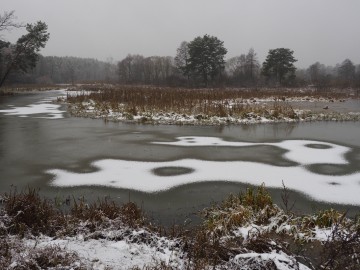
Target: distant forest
(158, 70)
(198, 63)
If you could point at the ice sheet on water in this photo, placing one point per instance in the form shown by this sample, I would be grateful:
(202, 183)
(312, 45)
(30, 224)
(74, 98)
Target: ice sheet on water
(51, 111)
(139, 175)
(298, 150)
(41, 109)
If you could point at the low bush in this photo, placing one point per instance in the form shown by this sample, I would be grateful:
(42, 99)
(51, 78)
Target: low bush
(28, 211)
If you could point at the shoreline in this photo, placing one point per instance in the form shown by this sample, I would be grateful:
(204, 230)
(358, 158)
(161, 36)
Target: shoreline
(94, 111)
(209, 107)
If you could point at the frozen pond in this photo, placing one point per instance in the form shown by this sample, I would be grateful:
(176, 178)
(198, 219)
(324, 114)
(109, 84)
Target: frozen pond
(174, 170)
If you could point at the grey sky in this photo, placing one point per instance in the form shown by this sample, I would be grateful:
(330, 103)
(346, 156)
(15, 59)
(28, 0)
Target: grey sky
(327, 31)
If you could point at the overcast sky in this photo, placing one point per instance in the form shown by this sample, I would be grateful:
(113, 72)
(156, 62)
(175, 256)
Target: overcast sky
(327, 31)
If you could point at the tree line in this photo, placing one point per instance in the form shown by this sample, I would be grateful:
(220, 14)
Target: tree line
(201, 62)
(197, 63)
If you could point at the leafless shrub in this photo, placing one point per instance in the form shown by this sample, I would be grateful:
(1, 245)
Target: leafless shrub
(342, 248)
(285, 197)
(28, 211)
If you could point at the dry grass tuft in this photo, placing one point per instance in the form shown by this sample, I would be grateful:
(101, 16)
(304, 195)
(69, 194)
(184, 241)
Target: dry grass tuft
(14, 254)
(29, 212)
(245, 223)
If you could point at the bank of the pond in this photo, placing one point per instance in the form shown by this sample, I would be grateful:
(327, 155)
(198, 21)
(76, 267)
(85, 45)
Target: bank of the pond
(95, 111)
(246, 231)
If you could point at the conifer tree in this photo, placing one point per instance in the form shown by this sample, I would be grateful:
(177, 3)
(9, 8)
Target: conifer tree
(279, 65)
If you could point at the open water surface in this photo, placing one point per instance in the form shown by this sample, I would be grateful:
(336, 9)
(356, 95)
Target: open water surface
(34, 146)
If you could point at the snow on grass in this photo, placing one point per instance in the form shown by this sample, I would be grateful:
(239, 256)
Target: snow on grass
(281, 260)
(74, 93)
(140, 176)
(115, 254)
(254, 233)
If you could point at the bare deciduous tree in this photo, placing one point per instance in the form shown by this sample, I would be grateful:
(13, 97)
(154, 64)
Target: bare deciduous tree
(252, 65)
(7, 22)
(346, 72)
(182, 58)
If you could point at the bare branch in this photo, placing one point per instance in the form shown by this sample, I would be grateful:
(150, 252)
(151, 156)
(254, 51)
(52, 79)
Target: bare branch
(285, 197)
(7, 21)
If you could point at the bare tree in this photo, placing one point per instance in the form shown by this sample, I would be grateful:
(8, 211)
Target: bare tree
(252, 65)
(131, 69)
(182, 58)
(7, 22)
(346, 72)
(109, 69)
(235, 67)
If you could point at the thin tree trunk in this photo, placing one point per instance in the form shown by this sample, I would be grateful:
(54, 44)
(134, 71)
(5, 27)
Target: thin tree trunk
(5, 76)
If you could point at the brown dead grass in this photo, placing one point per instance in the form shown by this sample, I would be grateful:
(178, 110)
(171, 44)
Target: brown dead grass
(210, 244)
(208, 102)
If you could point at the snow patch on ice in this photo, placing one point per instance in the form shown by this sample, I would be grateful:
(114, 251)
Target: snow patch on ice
(139, 175)
(44, 106)
(51, 110)
(298, 151)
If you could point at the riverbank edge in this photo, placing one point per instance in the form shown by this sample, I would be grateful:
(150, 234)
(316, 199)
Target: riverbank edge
(245, 230)
(95, 111)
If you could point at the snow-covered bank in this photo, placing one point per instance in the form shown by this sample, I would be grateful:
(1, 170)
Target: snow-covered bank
(255, 111)
(138, 248)
(243, 232)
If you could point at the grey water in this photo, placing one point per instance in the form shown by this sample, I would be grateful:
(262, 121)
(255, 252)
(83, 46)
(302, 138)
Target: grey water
(29, 146)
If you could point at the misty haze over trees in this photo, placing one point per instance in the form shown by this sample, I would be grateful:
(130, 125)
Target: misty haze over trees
(240, 71)
(198, 63)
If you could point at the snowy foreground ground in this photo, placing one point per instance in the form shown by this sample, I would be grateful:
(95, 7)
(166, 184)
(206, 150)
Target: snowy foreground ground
(128, 253)
(243, 232)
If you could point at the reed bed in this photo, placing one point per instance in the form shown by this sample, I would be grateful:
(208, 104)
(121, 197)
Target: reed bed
(182, 106)
(209, 102)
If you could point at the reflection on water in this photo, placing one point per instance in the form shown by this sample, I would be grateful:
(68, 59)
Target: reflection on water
(31, 146)
(277, 130)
